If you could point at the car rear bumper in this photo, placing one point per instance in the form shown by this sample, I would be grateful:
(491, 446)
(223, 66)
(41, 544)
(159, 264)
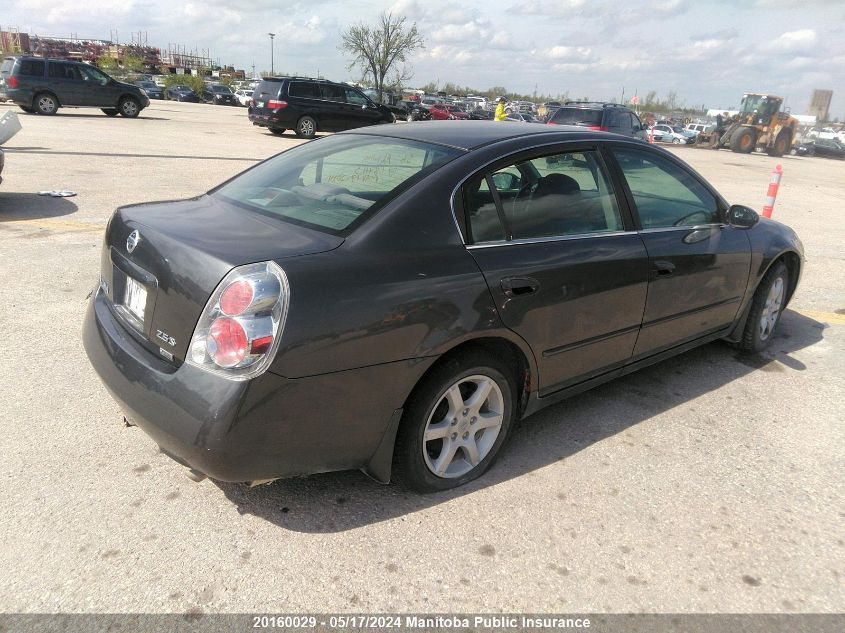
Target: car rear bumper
(266, 428)
(270, 119)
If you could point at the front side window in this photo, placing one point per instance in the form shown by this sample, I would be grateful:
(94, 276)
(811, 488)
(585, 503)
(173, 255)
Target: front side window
(332, 183)
(89, 73)
(665, 194)
(556, 195)
(353, 96)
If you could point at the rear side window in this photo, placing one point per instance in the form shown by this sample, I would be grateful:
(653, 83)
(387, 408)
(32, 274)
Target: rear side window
(63, 71)
(32, 68)
(578, 116)
(305, 89)
(335, 183)
(6, 67)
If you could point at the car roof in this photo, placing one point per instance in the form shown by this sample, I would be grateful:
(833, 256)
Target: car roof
(466, 134)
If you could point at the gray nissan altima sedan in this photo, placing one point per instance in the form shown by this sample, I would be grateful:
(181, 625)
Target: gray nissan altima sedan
(393, 299)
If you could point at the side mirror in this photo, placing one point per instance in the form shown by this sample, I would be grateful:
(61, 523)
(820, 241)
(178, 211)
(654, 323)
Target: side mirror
(742, 217)
(505, 181)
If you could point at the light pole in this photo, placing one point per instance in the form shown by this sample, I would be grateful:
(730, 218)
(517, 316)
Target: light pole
(272, 68)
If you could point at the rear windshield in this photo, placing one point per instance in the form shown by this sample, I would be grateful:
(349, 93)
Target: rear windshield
(223, 89)
(268, 89)
(335, 183)
(577, 116)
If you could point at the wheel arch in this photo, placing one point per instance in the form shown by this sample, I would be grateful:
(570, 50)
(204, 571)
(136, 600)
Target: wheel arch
(45, 91)
(792, 260)
(524, 368)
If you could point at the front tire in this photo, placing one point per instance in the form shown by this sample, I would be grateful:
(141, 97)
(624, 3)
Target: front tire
(306, 127)
(129, 107)
(27, 109)
(455, 423)
(744, 140)
(766, 309)
(46, 104)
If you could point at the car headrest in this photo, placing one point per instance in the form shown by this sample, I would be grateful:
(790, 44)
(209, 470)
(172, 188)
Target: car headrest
(559, 184)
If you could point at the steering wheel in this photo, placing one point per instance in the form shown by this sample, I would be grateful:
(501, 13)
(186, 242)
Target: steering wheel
(682, 221)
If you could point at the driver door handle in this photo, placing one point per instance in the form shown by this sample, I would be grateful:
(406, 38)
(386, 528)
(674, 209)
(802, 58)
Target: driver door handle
(662, 268)
(519, 286)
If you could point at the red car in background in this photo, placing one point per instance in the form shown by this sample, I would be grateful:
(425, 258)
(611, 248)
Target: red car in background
(440, 112)
(457, 112)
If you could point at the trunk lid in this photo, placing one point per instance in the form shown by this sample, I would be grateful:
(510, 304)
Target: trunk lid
(182, 252)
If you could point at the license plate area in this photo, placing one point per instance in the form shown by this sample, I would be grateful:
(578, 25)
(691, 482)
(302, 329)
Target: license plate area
(135, 301)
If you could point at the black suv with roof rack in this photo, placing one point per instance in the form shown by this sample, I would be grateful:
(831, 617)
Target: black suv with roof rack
(600, 117)
(308, 106)
(44, 85)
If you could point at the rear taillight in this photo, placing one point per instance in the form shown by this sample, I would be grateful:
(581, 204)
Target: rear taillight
(275, 104)
(12, 82)
(597, 128)
(239, 330)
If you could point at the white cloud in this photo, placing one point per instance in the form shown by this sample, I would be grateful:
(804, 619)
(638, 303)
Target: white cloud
(475, 31)
(308, 32)
(571, 54)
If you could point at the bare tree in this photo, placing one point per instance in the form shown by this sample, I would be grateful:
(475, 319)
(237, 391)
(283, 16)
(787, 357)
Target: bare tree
(375, 49)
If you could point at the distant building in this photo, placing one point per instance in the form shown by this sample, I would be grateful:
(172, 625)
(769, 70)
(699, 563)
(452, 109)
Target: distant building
(820, 104)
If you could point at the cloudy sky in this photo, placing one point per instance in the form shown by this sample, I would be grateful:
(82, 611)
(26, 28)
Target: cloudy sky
(708, 52)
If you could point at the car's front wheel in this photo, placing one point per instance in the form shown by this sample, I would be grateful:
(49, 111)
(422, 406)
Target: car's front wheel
(46, 104)
(129, 107)
(676, 141)
(455, 423)
(766, 308)
(306, 127)
(27, 109)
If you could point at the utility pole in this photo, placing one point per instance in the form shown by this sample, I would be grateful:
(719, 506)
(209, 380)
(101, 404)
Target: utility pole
(272, 68)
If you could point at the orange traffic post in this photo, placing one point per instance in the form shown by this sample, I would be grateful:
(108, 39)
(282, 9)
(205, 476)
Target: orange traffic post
(772, 193)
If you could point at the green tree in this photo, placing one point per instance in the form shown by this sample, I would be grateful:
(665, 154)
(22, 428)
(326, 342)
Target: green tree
(193, 82)
(378, 49)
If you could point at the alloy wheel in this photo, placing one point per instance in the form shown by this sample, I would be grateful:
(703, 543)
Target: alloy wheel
(771, 310)
(306, 128)
(463, 426)
(130, 108)
(47, 104)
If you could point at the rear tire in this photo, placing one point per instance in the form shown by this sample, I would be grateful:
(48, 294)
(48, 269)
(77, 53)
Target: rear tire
(129, 107)
(109, 111)
(306, 127)
(46, 104)
(744, 140)
(766, 309)
(410, 118)
(278, 131)
(27, 109)
(446, 438)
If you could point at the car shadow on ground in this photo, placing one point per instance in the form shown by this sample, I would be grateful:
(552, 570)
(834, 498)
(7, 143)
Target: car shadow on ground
(15, 207)
(92, 115)
(336, 502)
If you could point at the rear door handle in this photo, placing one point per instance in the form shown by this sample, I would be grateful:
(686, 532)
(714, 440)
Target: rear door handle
(519, 286)
(662, 268)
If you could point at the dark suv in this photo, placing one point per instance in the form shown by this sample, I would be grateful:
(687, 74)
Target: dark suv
(601, 117)
(308, 106)
(45, 85)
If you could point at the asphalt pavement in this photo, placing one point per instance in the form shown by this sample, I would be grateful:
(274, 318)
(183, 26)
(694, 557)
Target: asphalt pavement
(709, 482)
